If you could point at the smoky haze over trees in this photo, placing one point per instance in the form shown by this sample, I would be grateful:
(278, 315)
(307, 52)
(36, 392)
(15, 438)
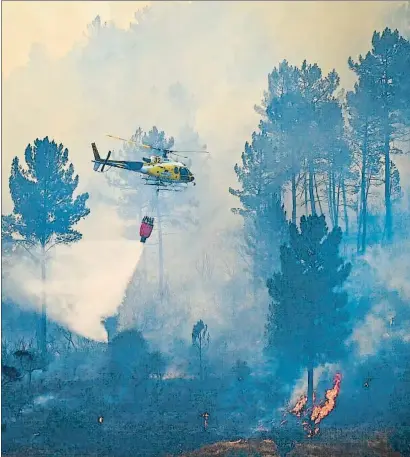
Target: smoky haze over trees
(383, 78)
(172, 213)
(317, 188)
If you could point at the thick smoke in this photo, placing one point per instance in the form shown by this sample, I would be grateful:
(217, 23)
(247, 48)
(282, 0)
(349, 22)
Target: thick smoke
(186, 68)
(85, 282)
(203, 66)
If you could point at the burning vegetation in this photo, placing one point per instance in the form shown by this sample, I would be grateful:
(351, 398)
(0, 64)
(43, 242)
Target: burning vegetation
(311, 417)
(316, 149)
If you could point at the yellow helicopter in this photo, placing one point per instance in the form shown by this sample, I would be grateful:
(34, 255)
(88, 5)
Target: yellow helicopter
(158, 170)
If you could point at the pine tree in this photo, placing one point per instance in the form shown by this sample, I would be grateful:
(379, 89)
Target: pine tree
(366, 142)
(45, 210)
(307, 320)
(7, 245)
(304, 119)
(200, 340)
(383, 74)
(333, 158)
(283, 121)
(325, 153)
(262, 209)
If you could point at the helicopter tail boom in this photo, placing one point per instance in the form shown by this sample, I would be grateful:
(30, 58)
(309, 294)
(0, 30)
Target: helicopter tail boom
(97, 156)
(98, 160)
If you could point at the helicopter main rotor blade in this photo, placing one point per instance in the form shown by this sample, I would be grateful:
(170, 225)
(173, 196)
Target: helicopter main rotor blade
(174, 151)
(179, 155)
(168, 151)
(129, 141)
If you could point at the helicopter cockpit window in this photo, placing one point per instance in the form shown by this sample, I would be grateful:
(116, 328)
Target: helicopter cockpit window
(176, 170)
(184, 172)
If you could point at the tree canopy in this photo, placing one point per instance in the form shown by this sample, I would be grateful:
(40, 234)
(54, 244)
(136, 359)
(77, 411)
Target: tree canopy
(45, 210)
(307, 317)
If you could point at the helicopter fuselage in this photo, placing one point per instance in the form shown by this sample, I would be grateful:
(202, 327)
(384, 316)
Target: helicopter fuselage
(157, 170)
(167, 171)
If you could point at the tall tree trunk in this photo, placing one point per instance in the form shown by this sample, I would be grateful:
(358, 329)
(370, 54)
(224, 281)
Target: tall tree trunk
(160, 252)
(346, 217)
(364, 227)
(305, 189)
(363, 196)
(311, 190)
(310, 387)
(293, 198)
(317, 195)
(338, 200)
(43, 320)
(330, 198)
(200, 358)
(387, 192)
(334, 199)
(359, 225)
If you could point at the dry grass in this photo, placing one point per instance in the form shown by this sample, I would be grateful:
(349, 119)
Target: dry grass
(265, 448)
(377, 447)
(343, 447)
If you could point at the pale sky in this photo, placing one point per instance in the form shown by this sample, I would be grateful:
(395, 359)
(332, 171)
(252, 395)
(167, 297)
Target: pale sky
(58, 25)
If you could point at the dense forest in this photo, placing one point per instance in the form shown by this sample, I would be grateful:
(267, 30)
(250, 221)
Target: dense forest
(311, 280)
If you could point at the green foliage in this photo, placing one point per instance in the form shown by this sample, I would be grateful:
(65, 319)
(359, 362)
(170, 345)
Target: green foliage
(200, 340)
(263, 212)
(381, 104)
(200, 335)
(301, 138)
(307, 319)
(44, 208)
(128, 352)
(130, 360)
(157, 139)
(383, 72)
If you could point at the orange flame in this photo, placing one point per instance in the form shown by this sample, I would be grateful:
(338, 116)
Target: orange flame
(321, 411)
(318, 412)
(299, 407)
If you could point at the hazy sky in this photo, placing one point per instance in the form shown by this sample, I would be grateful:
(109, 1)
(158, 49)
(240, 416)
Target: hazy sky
(58, 25)
(242, 40)
(215, 56)
(326, 28)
